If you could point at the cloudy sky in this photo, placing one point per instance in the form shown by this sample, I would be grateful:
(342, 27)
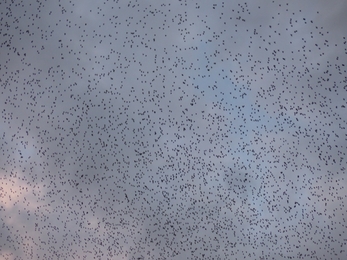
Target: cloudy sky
(173, 129)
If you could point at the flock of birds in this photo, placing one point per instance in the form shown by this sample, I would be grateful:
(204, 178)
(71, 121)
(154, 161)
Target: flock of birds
(172, 130)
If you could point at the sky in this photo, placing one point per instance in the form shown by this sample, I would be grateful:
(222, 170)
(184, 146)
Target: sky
(173, 129)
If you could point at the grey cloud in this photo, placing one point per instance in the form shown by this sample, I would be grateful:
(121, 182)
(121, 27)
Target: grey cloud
(182, 130)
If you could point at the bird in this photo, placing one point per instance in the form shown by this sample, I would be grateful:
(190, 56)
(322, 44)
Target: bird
(172, 130)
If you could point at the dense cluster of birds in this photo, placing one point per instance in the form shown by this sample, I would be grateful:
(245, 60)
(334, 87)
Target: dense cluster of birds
(172, 130)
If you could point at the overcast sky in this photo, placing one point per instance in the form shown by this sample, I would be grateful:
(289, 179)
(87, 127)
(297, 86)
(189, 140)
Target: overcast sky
(173, 129)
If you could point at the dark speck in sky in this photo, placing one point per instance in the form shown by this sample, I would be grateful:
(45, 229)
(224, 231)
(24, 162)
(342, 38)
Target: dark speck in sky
(173, 130)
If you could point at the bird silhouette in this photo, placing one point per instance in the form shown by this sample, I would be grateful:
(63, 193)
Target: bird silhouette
(172, 130)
